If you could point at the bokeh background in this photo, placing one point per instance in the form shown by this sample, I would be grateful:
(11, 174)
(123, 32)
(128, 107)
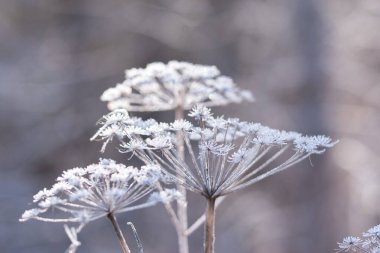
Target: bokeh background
(313, 65)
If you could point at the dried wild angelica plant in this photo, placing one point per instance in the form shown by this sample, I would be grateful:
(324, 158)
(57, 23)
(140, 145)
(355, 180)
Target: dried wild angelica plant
(226, 155)
(371, 243)
(211, 156)
(162, 86)
(227, 150)
(175, 86)
(99, 190)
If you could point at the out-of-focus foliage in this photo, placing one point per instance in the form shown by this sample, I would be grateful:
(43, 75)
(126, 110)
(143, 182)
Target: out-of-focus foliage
(313, 66)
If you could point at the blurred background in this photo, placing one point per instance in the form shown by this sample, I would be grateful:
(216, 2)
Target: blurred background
(313, 66)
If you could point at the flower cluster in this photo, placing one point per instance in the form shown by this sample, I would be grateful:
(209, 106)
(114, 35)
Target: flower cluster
(209, 155)
(162, 86)
(86, 194)
(228, 154)
(370, 244)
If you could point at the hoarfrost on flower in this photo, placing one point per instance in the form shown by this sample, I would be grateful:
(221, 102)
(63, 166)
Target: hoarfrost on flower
(200, 112)
(349, 243)
(161, 86)
(215, 147)
(315, 144)
(86, 194)
(181, 125)
(238, 156)
(132, 146)
(225, 155)
(166, 195)
(371, 243)
(160, 142)
(374, 231)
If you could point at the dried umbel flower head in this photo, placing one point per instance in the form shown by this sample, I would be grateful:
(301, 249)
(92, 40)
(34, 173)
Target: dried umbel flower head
(86, 194)
(228, 154)
(161, 86)
(118, 124)
(350, 243)
(370, 244)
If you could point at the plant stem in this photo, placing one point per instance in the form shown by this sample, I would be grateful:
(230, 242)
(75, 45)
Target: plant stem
(202, 219)
(119, 234)
(183, 242)
(210, 226)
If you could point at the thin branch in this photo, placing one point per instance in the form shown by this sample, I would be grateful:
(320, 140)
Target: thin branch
(139, 245)
(172, 214)
(183, 241)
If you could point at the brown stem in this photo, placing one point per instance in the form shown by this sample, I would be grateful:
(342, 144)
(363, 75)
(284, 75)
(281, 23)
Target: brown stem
(210, 226)
(183, 241)
(202, 219)
(119, 234)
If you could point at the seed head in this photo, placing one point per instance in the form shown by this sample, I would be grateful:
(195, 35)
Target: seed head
(86, 194)
(226, 155)
(161, 86)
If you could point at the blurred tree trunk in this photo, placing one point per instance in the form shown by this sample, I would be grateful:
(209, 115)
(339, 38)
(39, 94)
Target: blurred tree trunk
(312, 119)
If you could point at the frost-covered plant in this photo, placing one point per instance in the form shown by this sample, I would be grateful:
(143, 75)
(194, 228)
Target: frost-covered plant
(174, 86)
(228, 154)
(212, 156)
(162, 86)
(81, 195)
(369, 244)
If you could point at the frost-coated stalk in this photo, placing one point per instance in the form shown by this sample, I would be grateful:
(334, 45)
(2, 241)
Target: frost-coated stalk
(183, 241)
(119, 233)
(210, 226)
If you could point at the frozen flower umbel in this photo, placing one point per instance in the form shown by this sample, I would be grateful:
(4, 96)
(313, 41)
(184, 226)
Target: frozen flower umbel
(371, 243)
(173, 86)
(225, 155)
(82, 195)
(162, 86)
(228, 154)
